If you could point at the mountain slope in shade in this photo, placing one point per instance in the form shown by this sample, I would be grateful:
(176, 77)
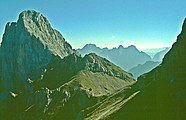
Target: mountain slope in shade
(163, 90)
(126, 58)
(69, 86)
(159, 56)
(43, 78)
(28, 45)
(143, 68)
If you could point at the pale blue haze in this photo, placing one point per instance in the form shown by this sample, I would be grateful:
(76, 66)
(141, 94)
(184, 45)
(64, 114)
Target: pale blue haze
(144, 23)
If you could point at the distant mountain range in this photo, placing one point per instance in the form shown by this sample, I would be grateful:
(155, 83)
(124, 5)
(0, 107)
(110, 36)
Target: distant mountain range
(129, 58)
(126, 58)
(160, 55)
(143, 68)
(153, 51)
(149, 65)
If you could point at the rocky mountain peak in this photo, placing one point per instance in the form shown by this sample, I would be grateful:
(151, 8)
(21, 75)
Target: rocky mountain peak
(132, 47)
(28, 45)
(90, 46)
(31, 15)
(33, 21)
(120, 47)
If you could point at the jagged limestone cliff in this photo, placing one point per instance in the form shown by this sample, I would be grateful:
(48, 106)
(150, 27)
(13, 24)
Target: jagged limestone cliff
(28, 46)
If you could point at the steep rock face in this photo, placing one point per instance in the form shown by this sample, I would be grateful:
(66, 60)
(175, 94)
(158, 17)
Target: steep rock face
(28, 45)
(163, 90)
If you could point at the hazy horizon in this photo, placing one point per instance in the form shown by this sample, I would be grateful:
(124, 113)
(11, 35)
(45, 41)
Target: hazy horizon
(145, 24)
(126, 46)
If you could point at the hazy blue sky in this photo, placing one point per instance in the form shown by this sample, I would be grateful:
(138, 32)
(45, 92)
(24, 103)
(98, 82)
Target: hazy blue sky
(144, 23)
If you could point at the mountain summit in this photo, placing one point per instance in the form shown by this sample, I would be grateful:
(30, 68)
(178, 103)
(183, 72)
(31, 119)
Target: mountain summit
(28, 45)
